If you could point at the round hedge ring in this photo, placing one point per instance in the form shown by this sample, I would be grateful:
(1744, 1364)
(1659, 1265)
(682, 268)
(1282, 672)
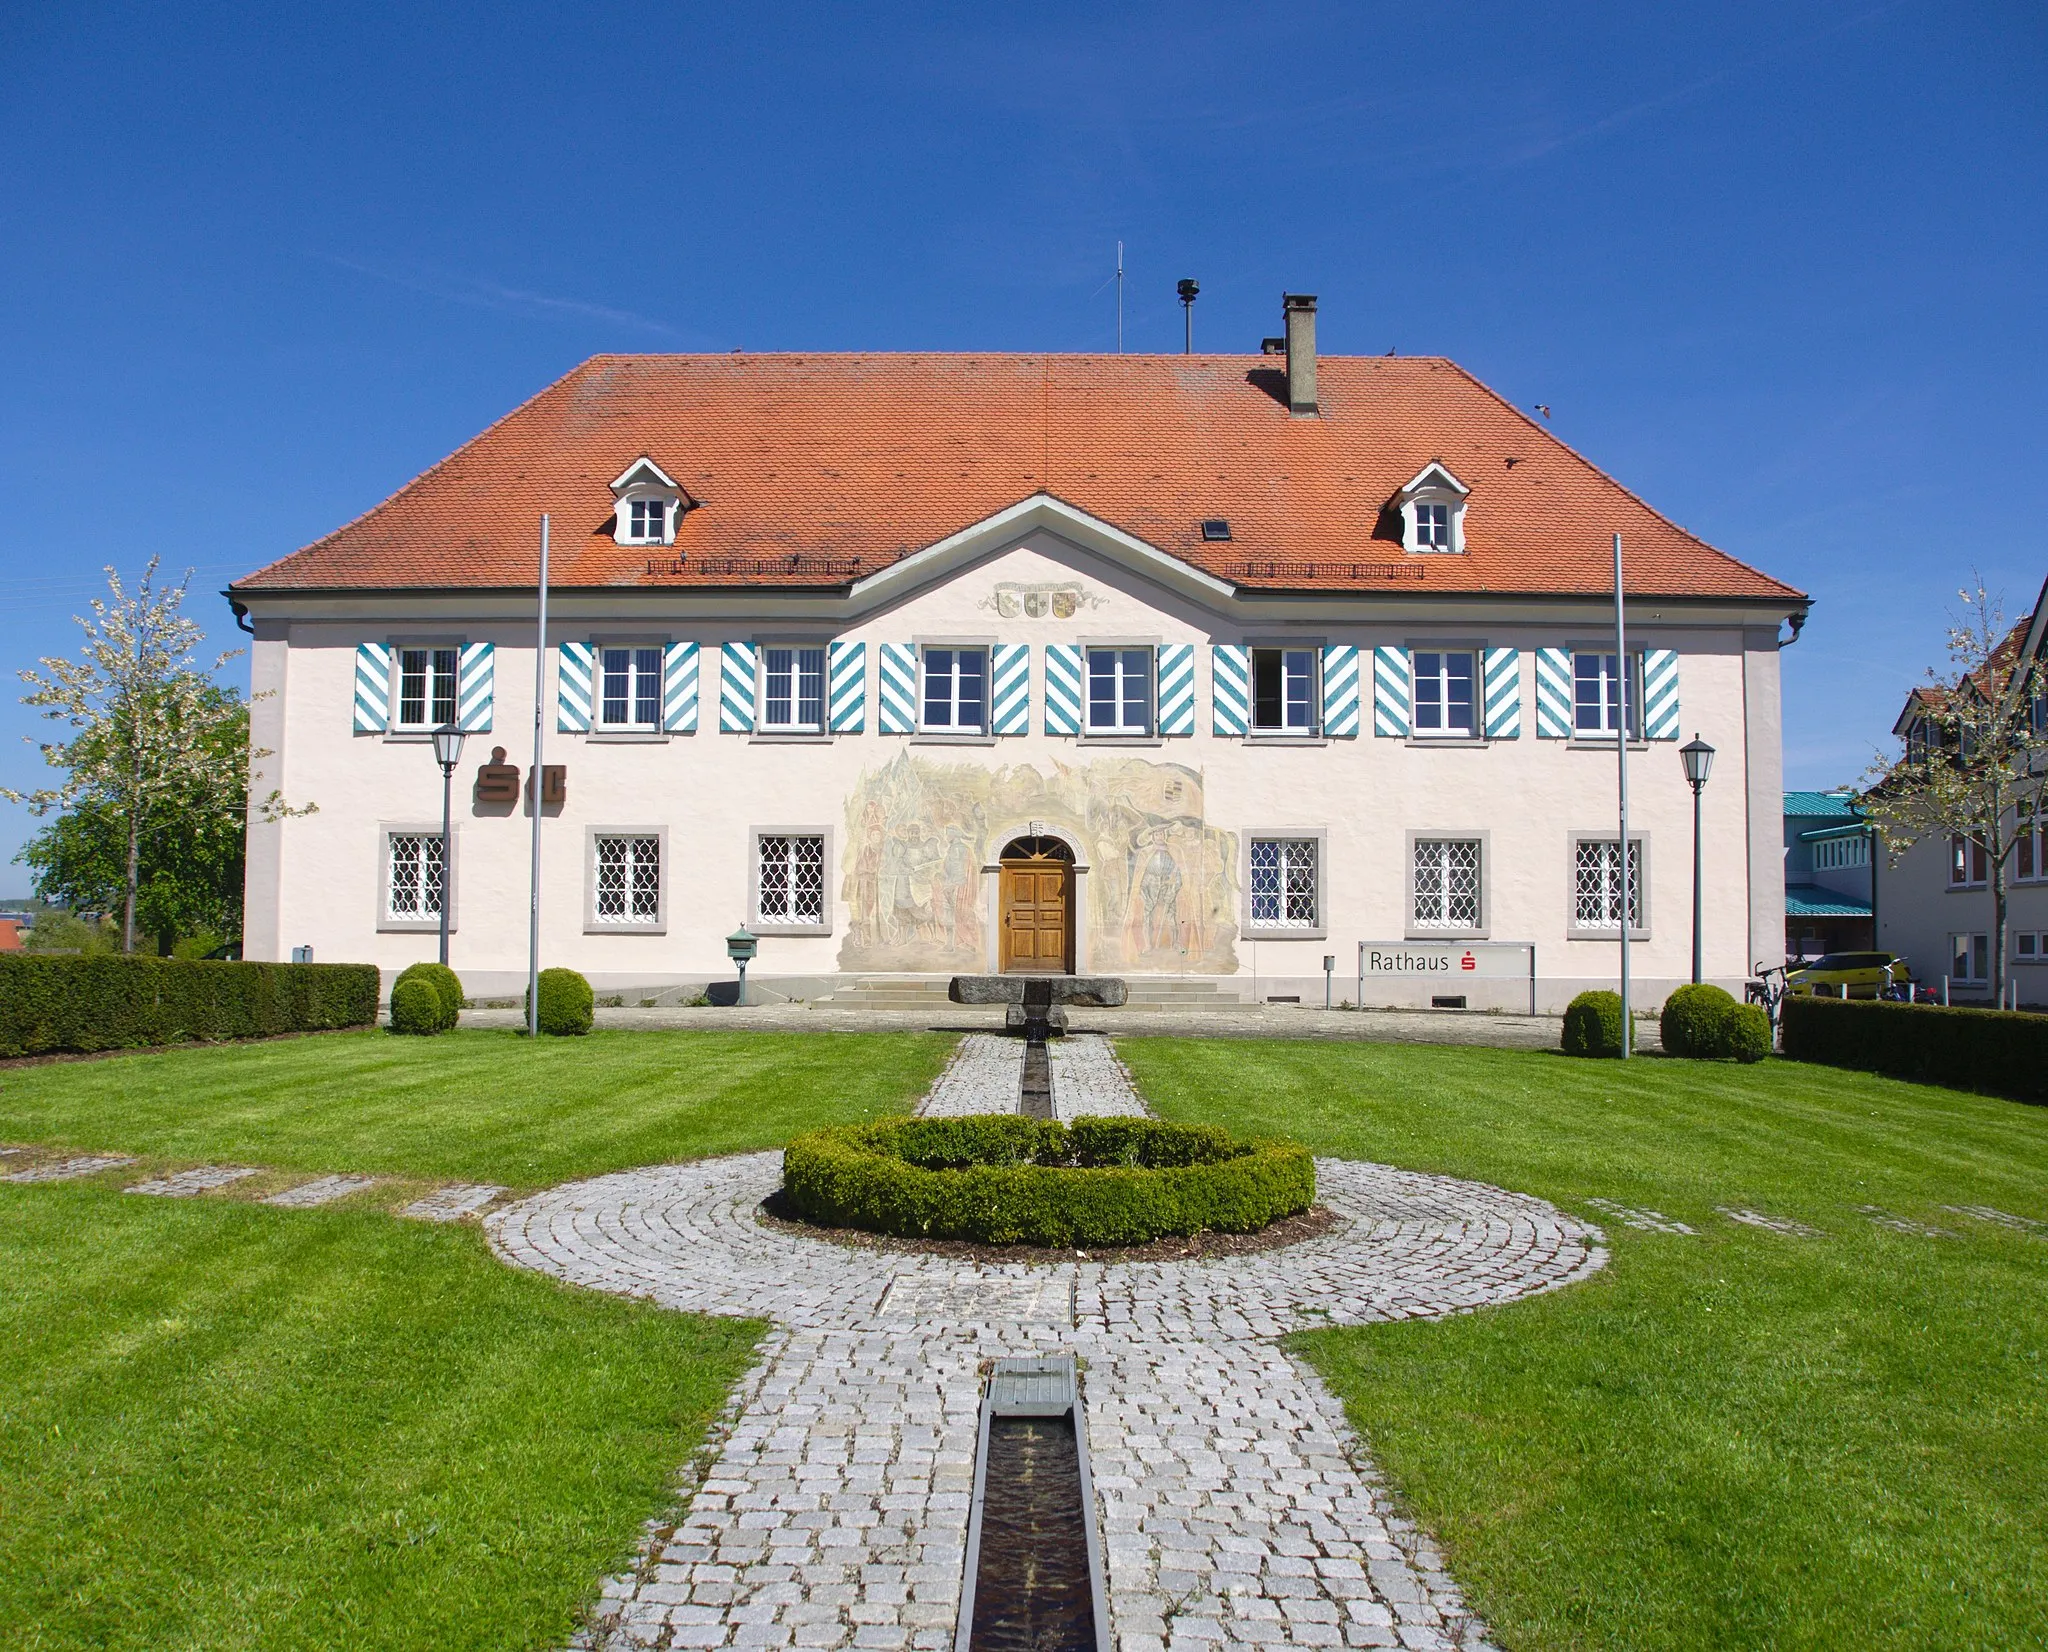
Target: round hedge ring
(997, 1179)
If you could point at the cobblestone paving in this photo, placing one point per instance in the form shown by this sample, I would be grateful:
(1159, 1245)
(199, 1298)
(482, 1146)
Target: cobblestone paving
(451, 1204)
(982, 1077)
(1902, 1224)
(187, 1184)
(1770, 1224)
(323, 1190)
(1088, 1078)
(1649, 1221)
(2003, 1218)
(70, 1170)
(1238, 1508)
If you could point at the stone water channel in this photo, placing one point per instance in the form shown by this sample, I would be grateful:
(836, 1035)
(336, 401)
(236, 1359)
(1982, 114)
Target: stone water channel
(1234, 1505)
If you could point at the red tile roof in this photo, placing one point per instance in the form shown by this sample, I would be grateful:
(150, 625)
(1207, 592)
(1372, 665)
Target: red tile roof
(819, 469)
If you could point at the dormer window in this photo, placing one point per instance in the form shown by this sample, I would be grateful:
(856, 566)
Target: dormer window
(1432, 511)
(649, 504)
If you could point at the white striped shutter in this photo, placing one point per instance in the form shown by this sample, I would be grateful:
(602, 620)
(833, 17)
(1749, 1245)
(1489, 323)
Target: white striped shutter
(1553, 693)
(1502, 674)
(1063, 688)
(847, 690)
(679, 688)
(572, 687)
(736, 688)
(1340, 691)
(1230, 687)
(475, 675)
(1176, 688)
(1010, 677)
(373, 688)
(1660, 693)
(899, 688)
(1392, 687)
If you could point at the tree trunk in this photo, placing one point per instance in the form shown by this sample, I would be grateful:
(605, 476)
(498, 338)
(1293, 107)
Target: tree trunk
(134, 836)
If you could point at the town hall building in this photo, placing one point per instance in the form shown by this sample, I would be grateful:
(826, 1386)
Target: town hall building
(1197, 670)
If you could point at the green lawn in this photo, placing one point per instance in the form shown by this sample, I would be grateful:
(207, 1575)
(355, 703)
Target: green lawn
(224, 1426)
(483, 1106)
(1732, 1439)
(227, 1426)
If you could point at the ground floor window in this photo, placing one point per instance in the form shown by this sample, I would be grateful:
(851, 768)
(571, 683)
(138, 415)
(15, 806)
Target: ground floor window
(791, 887)
(625, 878)
(413, 877)
(1284, 884)
(1446, 888)
(1970, 957)
(2030, 946)
(1596, 897)
(2030, 860)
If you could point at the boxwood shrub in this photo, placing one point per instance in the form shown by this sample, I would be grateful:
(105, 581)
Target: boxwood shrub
(1592, 1024)
(115, 1002)
(1004, 1180)
(416, 1008)
(447, 987)
(1693, 1022)
(1746, 1033)
(2000, 1052)
(567, 1007)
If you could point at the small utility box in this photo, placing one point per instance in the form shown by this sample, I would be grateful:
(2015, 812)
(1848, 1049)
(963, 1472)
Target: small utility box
(740, 947)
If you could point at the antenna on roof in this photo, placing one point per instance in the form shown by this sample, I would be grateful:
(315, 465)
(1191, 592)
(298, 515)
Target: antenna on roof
(1188, 290)
(1119, 298)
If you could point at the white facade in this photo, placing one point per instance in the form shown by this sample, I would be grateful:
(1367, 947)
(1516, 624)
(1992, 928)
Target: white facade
(911, 826)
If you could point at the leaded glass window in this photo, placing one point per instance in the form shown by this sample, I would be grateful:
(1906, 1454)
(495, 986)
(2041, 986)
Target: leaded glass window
(1446, 883)
(1597, 874)
(1283, 877)
(626, 879)
(413, 878)
(792, 886)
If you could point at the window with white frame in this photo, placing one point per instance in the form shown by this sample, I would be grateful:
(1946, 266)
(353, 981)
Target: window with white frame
(2030, 850)
(625, 879)
(792, 689)
(649, 521)
(413, 880)
(629, 688)
(1834, 854)
(1432, 511)
(791, 878)
(426, 687)
(1446, 887)
(648, 504)
(1432, 526)
(1596, 876)
(1285, 888)
(1597, 693)
(2030, 946)
(1119, 691)
(955, 690)
(1969, 957)
(1283, 690)
(1443, 700)
(1969, 862)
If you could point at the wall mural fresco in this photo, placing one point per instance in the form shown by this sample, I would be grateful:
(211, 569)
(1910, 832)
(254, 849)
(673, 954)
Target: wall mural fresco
(1161, 890)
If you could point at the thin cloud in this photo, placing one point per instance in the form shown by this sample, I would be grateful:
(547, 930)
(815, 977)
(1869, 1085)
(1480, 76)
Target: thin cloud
(490, 295)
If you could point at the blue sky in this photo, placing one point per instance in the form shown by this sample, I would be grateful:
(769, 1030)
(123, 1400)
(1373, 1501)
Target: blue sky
(1780, 268)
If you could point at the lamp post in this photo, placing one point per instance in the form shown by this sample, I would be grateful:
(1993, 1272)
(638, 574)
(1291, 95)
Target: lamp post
(1698, 758)
(448, 753)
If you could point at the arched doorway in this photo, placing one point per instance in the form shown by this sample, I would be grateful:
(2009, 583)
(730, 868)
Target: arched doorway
(1035, 909)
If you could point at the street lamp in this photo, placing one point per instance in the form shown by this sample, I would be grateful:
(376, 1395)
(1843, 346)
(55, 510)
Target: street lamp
(1698, 758)
(448, 753)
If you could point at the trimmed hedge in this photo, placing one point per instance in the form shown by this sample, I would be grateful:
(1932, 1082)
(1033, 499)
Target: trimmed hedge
(116, 1002)
(447, 987)
(416, 1008)
(1592, 1024)
(1003, 1180)
(566, 1005)
(2000, 1052)
(1694, 1022)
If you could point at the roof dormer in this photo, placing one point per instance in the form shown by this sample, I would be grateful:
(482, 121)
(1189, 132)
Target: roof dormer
(1432, 511)
(649, 504)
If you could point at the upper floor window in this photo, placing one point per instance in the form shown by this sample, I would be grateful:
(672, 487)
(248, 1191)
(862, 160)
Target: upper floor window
(1969, 862)
(1119, 691)
(1284, 690)
(631, 695)
(1597, 694)
(956, 690)
(648, 504)
(1443, 692)
(2030, 853)
(426, 687)
(793, 689)
(1432, 512)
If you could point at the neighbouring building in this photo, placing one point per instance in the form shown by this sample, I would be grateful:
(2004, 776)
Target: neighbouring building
(1193, 669)
(1828, 879)
(1934, 908)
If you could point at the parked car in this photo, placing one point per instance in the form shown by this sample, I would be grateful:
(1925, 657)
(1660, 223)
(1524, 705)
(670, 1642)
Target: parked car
(1863, 973)
(230, 953)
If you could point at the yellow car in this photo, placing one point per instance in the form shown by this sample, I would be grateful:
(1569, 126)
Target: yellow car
(1863, 973)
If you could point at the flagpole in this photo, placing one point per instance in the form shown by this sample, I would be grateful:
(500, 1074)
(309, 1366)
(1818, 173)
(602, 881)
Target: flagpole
(540, 677)
(1621, 765)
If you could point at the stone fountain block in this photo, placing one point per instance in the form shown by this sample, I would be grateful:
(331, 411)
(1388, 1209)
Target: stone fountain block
(1104, 992)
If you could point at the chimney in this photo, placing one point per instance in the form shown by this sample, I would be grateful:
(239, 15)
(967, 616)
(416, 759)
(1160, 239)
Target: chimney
(1300, 310)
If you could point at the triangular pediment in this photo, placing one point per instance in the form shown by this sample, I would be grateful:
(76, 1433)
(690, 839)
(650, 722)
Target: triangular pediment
(643, 472)
(1434, 477)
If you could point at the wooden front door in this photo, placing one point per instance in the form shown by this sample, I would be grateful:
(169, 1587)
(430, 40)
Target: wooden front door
(1035, 919)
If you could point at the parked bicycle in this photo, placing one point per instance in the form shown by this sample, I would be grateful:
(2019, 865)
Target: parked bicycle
(1762, 990)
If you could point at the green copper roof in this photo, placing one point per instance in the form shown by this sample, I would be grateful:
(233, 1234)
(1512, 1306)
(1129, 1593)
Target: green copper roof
(1821, 805)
